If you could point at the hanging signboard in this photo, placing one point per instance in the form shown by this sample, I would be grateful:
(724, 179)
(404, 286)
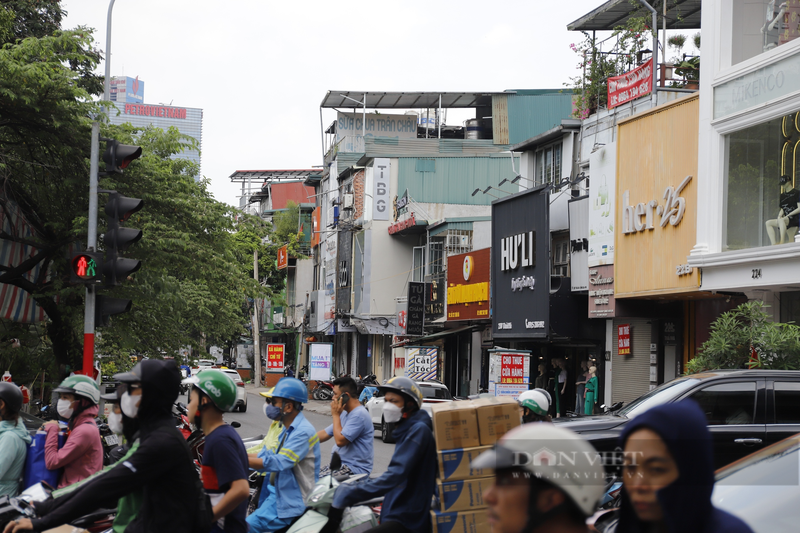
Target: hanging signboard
(283, 257)
(422, 362)
(601, 292)
(631, 85)
(319, 361)
(380, 189)
(275, 355)
(468, 285)
(624, 339)
(415, 319)
(509, 367)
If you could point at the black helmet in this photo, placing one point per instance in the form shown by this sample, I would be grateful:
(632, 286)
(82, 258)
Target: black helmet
(405, 386)
(12, 395)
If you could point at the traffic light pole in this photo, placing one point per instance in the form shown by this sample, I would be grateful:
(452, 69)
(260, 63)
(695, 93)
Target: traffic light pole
(91, 237)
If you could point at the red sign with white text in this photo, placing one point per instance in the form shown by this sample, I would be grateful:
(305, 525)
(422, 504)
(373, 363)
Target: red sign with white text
(624, 339)
(512, 369)
(275, 357)
(631, 85)
(283, 257)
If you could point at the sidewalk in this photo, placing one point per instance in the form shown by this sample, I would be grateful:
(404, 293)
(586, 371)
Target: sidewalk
(313, 406)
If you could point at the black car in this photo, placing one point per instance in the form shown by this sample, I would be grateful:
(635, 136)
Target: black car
(746, 410)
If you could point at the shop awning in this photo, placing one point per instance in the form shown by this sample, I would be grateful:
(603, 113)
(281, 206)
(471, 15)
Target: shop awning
(433, 336)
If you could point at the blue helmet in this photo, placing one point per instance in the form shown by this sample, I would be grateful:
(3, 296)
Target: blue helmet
(291, 389)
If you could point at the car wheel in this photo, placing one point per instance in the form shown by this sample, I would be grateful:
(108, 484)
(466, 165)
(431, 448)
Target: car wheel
(243, 407)
(387, 431)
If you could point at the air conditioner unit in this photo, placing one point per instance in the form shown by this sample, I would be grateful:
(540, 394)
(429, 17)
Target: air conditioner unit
(277, 318)
(457, 241)
(347, 201)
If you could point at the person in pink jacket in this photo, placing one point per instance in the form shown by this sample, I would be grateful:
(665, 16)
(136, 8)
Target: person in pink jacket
(82, 453)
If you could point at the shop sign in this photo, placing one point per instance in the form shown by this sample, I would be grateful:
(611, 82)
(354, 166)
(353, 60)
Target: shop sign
(579, 242)
(601, 292)
(520, 265)
(624, 339)
(400, 205)
(415, 320)
(275, 354)
(513, 369)
(631, 85)
(375, 125)
(757, 87)
(434, 297)
(468, 285)
(602, 199)
(401, 310)
(508, 390)
(283, 257)
(422, 362)
(316, 219)
(671, 212)
(319, 361)
(397, 227)
(380, 189)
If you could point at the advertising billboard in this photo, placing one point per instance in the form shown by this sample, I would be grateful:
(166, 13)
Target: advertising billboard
(275, 355)
(602, 191)
(422, 362)
(125, 89)
(521, 265)
(468, 285)
(319, 361)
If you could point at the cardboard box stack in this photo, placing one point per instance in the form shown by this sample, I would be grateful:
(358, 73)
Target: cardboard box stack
(463, 430)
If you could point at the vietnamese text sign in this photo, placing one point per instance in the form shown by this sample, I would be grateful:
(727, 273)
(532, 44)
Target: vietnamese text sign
(468, 285)
(275, 353)
(631, 85)
(375, 125)
(624, 339)
(422, 362)
(509, 390)
(415, 319)
(601, 292)
(380, 189)
(512, 369)
(319, 361)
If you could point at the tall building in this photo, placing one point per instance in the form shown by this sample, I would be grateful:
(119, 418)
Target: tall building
(127, 95)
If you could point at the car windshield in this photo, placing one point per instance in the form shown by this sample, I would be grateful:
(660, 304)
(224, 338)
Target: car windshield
(663, 394)
(435, 393)
(205, 363)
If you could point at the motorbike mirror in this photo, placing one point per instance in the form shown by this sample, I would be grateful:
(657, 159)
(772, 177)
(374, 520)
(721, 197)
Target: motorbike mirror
(236, 424)
(336, 461)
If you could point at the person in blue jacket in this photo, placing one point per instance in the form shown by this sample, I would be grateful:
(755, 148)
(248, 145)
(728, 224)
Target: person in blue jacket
(293, 466)
(668, 474)
(14, 439)
(408, 483)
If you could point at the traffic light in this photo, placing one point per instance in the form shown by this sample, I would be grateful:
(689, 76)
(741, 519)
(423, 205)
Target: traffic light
(105, 307)
(85, 267)
(118, 156)
(116, 239)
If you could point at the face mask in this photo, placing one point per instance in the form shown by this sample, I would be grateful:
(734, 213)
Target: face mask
(115, 422)
(64, 409)
(130, 405)
(273, 412)
(392, 413)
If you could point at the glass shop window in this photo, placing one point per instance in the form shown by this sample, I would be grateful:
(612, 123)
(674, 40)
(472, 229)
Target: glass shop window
(761, 25)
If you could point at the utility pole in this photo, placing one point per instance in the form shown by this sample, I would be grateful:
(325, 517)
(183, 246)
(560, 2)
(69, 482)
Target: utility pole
(256, 332)
(300, 354)
(91, 237)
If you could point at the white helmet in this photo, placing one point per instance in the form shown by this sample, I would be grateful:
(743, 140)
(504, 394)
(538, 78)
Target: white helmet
(537, 400)
(554, 455)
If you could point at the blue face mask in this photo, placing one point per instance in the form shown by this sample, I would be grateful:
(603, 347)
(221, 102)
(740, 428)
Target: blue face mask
(273, 412)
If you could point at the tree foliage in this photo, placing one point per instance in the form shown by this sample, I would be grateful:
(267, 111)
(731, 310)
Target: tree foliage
(736, 333)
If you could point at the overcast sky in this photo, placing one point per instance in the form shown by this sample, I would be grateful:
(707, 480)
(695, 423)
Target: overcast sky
(260, 68)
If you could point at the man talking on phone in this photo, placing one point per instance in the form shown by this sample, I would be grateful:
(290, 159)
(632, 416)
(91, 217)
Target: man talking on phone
(352, 430)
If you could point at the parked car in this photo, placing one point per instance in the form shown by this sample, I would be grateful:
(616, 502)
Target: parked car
(241, 394)
(746, 410)
(433, 392)
(763, 488)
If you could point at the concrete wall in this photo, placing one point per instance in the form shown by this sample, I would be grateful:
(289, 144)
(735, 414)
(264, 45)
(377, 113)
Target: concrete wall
(304, 284)
(481, 234)
(436, 212)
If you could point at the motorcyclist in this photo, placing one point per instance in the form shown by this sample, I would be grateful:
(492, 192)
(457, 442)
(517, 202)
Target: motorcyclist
(161, 466)
(534, 405)
(14, 439)
(225, 466)
(294, 465)
(82, 453)
(408, 483)
(546, 479)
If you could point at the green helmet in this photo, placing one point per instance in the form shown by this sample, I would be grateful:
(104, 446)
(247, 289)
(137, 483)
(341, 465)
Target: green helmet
(218, 386)
(82, 386)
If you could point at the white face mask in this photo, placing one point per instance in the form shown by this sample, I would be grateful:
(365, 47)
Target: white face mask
(115, 422)
(64, 409)
(130, 404)
(392, 413)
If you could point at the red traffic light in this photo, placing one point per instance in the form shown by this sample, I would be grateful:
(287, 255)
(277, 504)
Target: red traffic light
(85, 267)
(118, 156)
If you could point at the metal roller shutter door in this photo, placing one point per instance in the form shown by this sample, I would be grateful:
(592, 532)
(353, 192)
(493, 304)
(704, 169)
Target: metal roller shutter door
(630, 375)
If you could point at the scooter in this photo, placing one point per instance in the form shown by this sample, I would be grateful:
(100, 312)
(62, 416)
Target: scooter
(355, 519)
(22, 507)
(323, 391)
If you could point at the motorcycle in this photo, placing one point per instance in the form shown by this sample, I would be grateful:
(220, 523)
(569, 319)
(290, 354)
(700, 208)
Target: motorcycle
(322, 391)
(109, 440)
(355, 519)
(12, 508)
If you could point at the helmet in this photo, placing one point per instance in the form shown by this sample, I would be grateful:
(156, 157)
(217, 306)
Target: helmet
(555, 455)
(82, 386)
(218, 386)
(403, 385)
(537, 400)
(291, 389)
(12, 395)
(267, 393)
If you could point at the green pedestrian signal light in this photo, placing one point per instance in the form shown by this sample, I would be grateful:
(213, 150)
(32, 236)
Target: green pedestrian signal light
(86, 267)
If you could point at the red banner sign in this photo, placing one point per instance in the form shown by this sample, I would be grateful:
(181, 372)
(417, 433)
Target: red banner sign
(512, 369)
(624, 339)
(275, 357)
(631, 85)
(283, 257)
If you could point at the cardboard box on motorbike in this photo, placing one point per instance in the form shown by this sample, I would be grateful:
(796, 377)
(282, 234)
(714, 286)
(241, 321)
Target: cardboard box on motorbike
(462, 495)
(455, 464)
(496, 417)
(476, 521)
(468, 424)
(66, 529)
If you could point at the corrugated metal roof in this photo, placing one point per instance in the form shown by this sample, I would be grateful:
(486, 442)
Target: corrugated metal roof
(390, 147)
(454, 179)
(406, 100)
(530, 115)
(296, 191)
(681, 15)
